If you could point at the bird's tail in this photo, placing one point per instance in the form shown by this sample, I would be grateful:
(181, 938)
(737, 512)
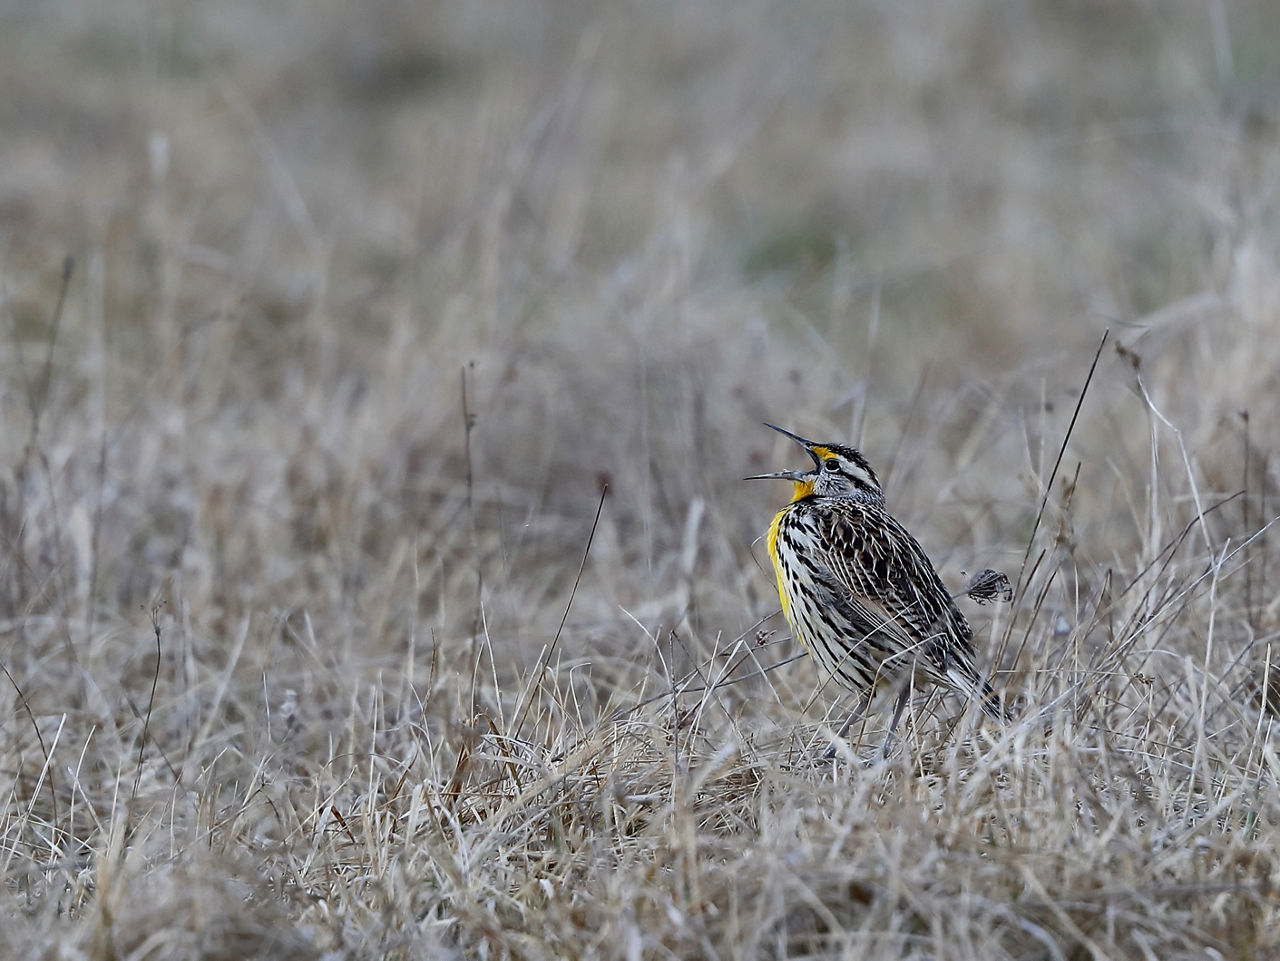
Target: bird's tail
(965, 678)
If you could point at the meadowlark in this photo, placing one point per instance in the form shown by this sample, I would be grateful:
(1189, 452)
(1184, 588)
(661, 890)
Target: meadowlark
(859, 591)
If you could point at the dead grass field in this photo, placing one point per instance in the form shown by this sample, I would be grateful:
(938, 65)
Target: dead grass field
(370, 302)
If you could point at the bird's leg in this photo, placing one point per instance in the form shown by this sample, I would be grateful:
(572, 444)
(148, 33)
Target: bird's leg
(854, 716)
(898, 707)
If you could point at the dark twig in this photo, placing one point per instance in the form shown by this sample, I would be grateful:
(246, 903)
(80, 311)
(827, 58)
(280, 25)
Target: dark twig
(44, 750)
(146, 720)
(1053, 475)
(545, 658)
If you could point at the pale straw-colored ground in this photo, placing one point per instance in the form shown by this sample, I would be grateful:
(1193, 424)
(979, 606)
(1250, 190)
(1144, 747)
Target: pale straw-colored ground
(284, 674)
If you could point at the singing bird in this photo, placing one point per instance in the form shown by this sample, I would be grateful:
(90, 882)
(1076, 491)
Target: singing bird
(859, 591)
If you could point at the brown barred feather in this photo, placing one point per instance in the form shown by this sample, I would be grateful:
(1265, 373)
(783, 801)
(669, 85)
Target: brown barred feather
(858, 589)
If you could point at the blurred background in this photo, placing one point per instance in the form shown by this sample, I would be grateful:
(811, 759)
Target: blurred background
(324, 326)
(369, 302)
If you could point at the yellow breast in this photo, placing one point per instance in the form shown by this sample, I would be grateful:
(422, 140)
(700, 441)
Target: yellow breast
(777, 564)
(802, 489)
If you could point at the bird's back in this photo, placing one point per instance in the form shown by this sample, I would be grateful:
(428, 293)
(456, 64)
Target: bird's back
(863, 598)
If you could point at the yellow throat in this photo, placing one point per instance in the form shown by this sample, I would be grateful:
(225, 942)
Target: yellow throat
(802, 489)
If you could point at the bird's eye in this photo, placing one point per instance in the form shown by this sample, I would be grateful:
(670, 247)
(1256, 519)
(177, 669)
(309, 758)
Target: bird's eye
(833, 465)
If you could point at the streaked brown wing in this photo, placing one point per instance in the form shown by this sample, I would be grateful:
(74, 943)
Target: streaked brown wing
(889, 578)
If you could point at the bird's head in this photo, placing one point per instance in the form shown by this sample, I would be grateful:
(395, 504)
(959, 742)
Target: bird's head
(838, 471)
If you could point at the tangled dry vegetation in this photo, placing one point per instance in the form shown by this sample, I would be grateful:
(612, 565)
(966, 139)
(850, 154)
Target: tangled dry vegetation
(313, 641)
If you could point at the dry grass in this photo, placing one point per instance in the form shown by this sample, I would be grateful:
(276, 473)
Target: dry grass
(280, 612)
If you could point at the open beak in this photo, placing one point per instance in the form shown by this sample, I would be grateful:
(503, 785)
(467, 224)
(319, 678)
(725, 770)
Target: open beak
(791, 475)
(798, 476)
(808, 445)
